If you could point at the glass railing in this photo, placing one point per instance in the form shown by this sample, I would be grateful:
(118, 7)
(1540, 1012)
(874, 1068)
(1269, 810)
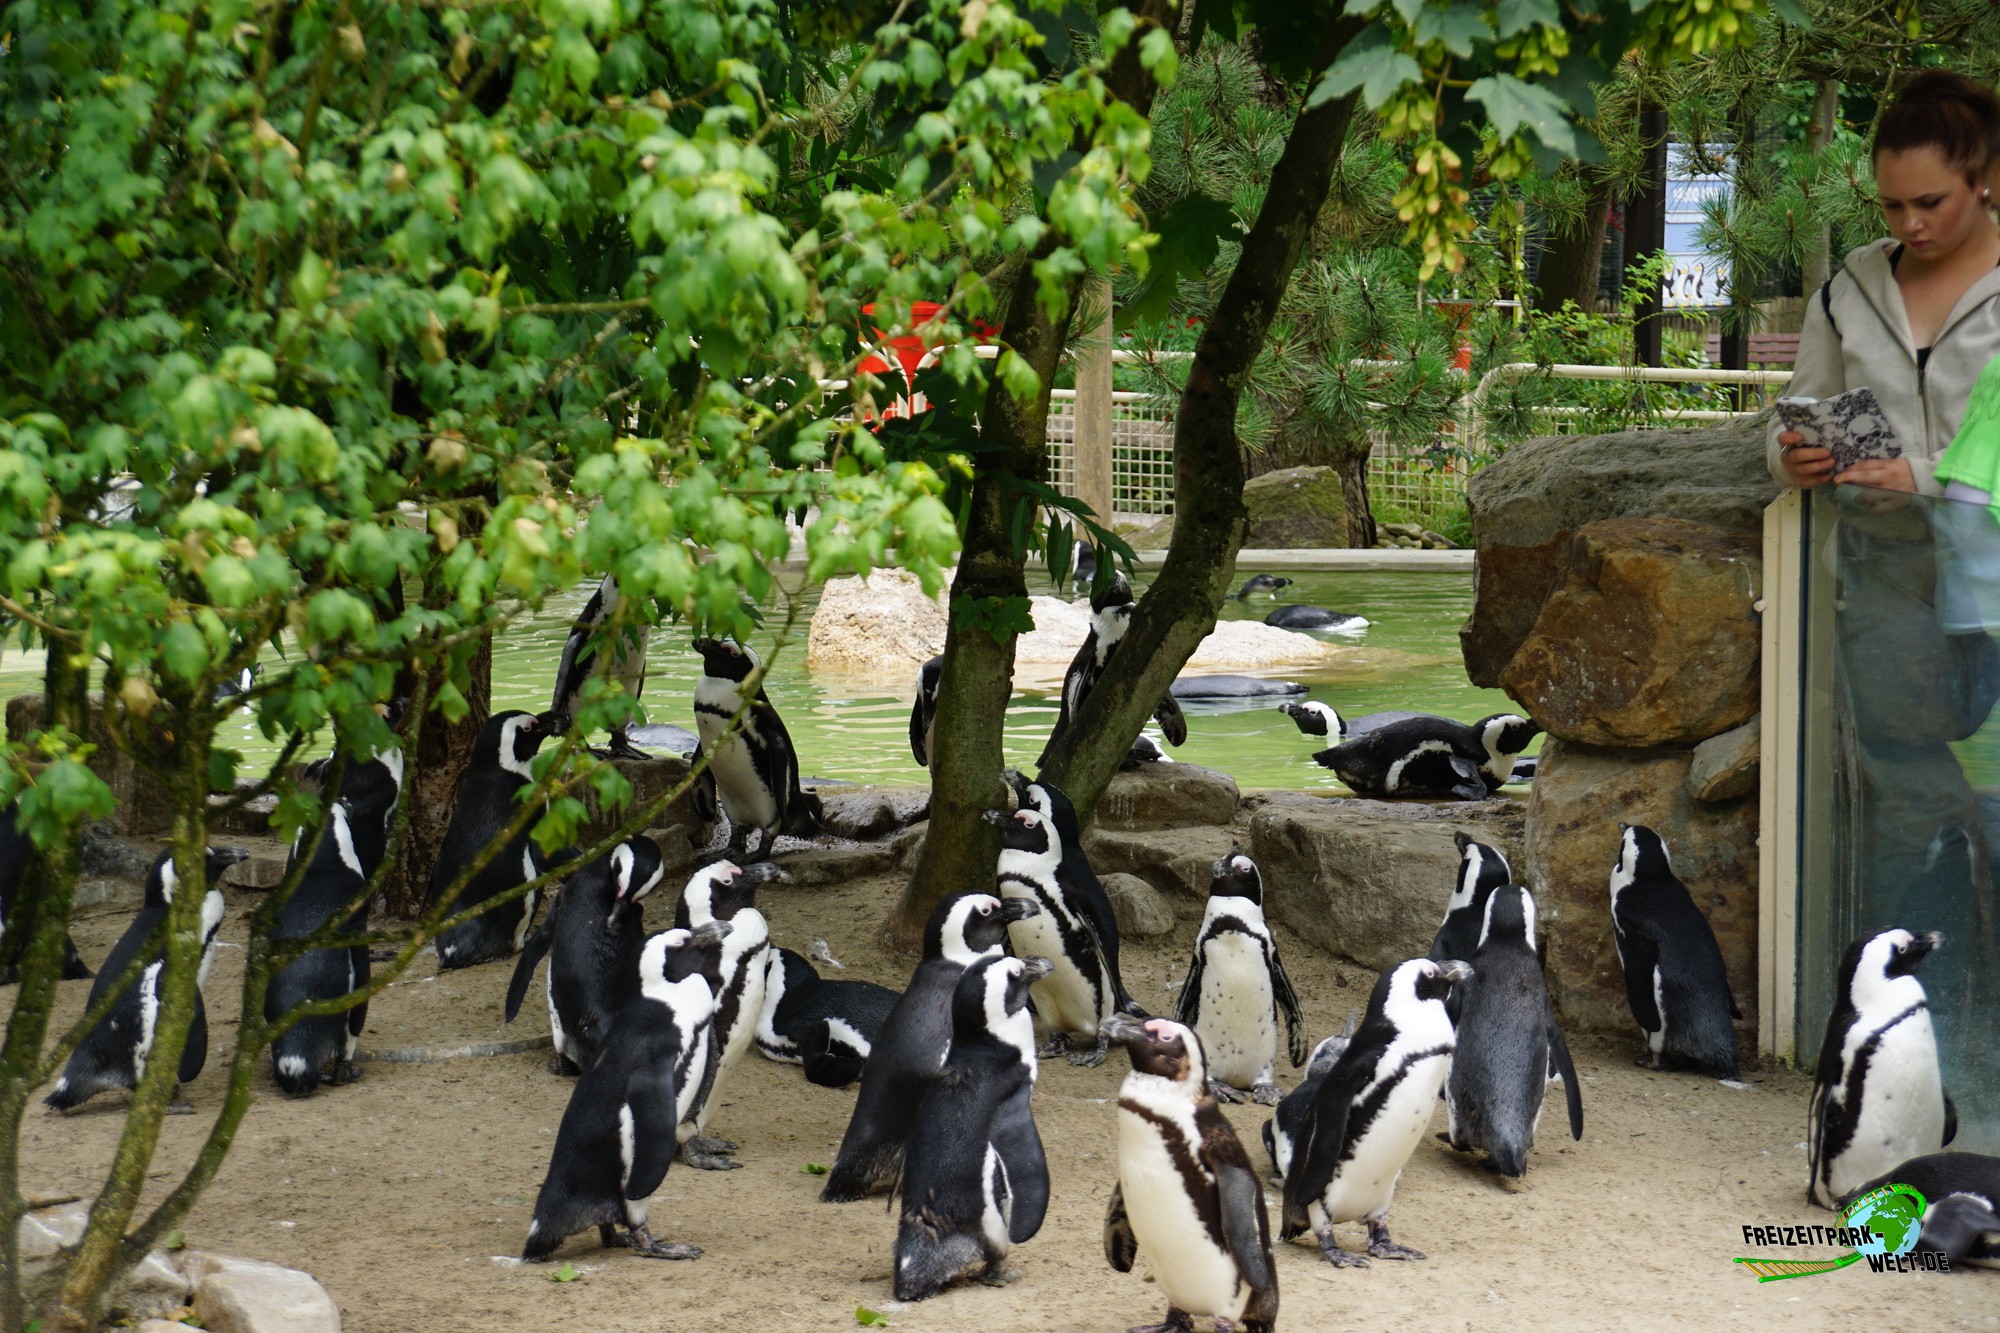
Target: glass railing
(1899, 782)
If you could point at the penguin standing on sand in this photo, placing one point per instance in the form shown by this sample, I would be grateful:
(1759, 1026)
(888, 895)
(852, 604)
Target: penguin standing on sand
(923, 713)
(487, 803)
(753, 775)
(15, 851)
(1431, 758)
(1962, 1189)
(588, 652)
(1878, 1099)
(113, 1054)
(725, 891)
(320, 1048)
(1236, 987)
(1282, 1130)
(617, 1137)
(1186, 1193)
(1079, 881)
(592, 937)
(975, 1182)
(913, 1044)
(1110, 617)
(828, 1026)
(1675, 982)
(1508, 1042)
(1370, 1111)
(1481, 869)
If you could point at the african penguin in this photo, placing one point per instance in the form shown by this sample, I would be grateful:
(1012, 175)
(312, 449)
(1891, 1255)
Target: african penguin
(753, 774)
(599, 646)
(592, 935)
(1675, 982)
(1083, 566)
(1370, 1111)
(617, 1136)
(1145, 750)
(725, 891)
(1236, 987)
(1508, 1042)
(911, 1047)
(1425, 757)
(923, 713)
(1110, 618)
(114, 1053)
(1281, 1131)
(975, 1182)
(1879, 1098)
(828, 1026)
(487, 802)
(1265, 585)
(1962, 1189)
(1314, 718)
(1079, 881)
(1186, 1192)
(1316, 618)
(15, 853)
(1481, 869)
(333, 887)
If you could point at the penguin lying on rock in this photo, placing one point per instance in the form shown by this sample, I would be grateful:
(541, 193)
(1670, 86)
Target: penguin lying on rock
(1428, 757)
(1110, 618)
(828, 1026)
(1878, 1099)
(487, 804)
(1675, 982)
(1962, 1191)
(753, 775)
(590, 651)
(1236, 988)
(15, 849)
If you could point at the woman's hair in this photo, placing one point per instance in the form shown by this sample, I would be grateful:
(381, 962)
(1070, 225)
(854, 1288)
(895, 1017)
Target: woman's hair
(1946, 111)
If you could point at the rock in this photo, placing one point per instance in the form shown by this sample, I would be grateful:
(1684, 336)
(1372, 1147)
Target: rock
(142, 806)
(153, 1286)
(1725, 767)
(650, 779)
(676, 848)
(251, 819)
(1164, 796)
(1579, 797)
(1141, 910)
(161, 1326)
(864, 624)
(1526, 504)
(906, 846)
(1295, 508)
(1233, 645)
(1651, 638)
(246, 1296)
(817, 866)
(262, 869)
(1368, 880)
(864, 814)
(1176, 861)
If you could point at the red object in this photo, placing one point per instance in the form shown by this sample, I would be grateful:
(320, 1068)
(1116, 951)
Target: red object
(911, 352)
(1461, 313)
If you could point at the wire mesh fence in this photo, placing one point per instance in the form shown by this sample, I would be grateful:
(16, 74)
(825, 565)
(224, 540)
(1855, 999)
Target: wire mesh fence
(1142, 451)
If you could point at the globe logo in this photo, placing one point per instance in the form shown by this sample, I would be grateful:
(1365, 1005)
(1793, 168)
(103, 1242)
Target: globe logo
(1894, 1215)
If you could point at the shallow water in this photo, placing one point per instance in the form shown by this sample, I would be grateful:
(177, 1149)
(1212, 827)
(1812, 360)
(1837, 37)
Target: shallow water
(859, 731)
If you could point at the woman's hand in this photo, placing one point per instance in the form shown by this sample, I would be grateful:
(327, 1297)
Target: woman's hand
(1884, 474)
(1807, 465)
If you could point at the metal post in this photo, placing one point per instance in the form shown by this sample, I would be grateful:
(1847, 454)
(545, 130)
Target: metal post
(1093, 402)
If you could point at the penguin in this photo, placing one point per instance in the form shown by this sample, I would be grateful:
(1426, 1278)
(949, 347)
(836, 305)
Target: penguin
(1266, 585)
(1675, 982)
(1481, 869)
(1186, 1192)
(1314, 718)
(1083, 566)
(725, 891)
(753, 775)
(1508, 1042)
(923, 713)
(1878, 1098)
(1281, 1131)
(1110, 617)
(1316, 618)
(1427, 757)
(1962, 1191)
(15, 853)
(320, 1048)
(592, 936)
(975, 1181)
(1145, 750)
(486, 804)
(1236, 988)
(1370, 1111)
(911, 1047)
(588, 653)
(113, 1054)
(828, 1026)
(618, 1133)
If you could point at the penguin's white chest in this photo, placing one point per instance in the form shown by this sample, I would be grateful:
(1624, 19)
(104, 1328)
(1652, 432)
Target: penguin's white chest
(1191, 1267)
(1066, 999)
(1366, 1182)
(747, 798)
(1238, 1022)
(1902, 1105)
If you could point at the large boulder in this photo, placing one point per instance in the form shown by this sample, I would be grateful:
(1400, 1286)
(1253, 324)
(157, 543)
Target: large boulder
(1579, 798)
(1167, 796)
(247, 1296)
(650, 780)
(1142, 911)
(1174, 861)
(879, 622)
(152, 1287)
(1526, 504)
(1651, 638)
(1297, 508)
(1368, 880)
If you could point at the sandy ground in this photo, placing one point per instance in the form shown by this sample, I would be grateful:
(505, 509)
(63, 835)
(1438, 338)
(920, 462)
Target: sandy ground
(399, 1191)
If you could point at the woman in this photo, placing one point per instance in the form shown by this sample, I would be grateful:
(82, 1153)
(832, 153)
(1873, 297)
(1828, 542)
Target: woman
(1915, 316)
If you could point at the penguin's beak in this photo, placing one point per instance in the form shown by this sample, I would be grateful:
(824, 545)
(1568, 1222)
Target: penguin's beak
(1017, 780)
(997, 818)
(1455, 971)
(221, 858)
(1018, 909)
(1915, 952)
(1037, 967)
(765, 872)
(1122, 1028)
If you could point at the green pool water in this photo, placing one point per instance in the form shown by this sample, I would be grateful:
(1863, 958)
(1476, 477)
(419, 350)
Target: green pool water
(859, 731)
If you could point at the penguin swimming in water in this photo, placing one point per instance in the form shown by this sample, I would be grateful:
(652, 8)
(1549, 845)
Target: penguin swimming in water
(1110, 617)
(589, 652)
(1508, 1042)
(911, 1047)
(1264, 585)
(1370, 1112)
(1236, 987)
(1426, 757)
(592, 936)
(725, 891)
(1878, 1099)
(114, 1053)
(1186, 1192)
(15, 851)
(1481, 869)
(1315, 618)
(618, 1133)
(320, 1048)
(923, 713)
(753, 775)
(828, 1026)
(1675, 981)
(487, 804)
(1962, 1189)
(1281, 1131)
(975, 1181)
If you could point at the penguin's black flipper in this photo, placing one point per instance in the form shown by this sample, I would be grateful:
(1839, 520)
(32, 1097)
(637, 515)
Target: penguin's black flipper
(801, 814)
(705, 806)
(1121, 1247)
(1317, 1156)
(1572, 1091)
(1288, 1005)
(919, 724)
(1173, 723)
(1641, 955)
(194, 1055)
(1471, 780)
(1245, 1229)
(651, 1098)
(1013, 1135)
(73, 965)
(533, 950)
(1188, 1008)
(1950, 1119)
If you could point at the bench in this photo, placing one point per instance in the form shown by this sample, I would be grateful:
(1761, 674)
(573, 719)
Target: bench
(1766, 349)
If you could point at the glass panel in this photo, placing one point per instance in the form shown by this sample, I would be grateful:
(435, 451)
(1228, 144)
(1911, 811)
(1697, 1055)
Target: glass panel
(1899, 793)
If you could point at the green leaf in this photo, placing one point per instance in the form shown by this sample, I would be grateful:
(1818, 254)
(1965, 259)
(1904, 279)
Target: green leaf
(566, 1273)
(1511, 104)
(1460, 28)
(812, 1169)
(1371, 64)
(868, 1318)
(1514, 16)
(1191, 233)
(184, 651)
(176, 1240)
(1019, 377)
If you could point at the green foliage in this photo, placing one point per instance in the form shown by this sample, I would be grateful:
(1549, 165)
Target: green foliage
(868, 1318)
(566, 1273)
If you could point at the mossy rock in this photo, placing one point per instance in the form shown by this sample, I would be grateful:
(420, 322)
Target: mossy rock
(1297, 508)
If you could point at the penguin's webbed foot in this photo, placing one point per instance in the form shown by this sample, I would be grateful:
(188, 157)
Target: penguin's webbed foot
(610, 1237)
(706, 1161)
(997, 1274)
(180, 1106)
(622, 747)
(1651, 1061)
(1091, 1057)
(704, 1143)
(646, 1247)
(343, 1073)
(1057, 1044)
(1336, 1256)
(1222, 1092)
(564, 1067)
(1382, 1247)
(1177, 1321)
(1267, 1094)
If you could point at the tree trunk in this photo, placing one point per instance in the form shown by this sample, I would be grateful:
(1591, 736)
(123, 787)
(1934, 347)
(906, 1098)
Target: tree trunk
(1351, 465)
(1818, 263)
(1179, 609)
(1646, 231)
(1572, 261)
